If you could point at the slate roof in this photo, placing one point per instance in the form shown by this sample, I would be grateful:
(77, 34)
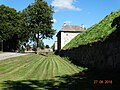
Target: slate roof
(72, 28)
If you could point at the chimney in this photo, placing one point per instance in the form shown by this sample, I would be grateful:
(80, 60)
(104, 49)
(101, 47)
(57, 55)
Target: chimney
(67, 23)
(64, 24)
(83, 26)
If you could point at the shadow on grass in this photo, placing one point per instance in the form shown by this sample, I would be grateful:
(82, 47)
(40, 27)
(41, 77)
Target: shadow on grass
(82, 81)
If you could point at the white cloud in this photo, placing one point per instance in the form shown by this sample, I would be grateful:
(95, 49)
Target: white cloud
(64, 4)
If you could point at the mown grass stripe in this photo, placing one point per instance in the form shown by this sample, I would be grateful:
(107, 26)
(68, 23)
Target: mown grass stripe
(5, 68)
(55, 67)
(34, 70)
(17, 73)
(43, 73)
(68, 65)
(37, 63)
(14, 59)
(49, 71)
(21, 71)
(62, 70)
(14, 67)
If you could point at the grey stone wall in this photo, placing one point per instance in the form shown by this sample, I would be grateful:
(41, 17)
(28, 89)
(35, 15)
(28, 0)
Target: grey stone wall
(102, 55)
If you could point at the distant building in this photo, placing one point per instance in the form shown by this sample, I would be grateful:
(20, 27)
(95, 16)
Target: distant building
(55, 46)
(45, 50)
(67, 33)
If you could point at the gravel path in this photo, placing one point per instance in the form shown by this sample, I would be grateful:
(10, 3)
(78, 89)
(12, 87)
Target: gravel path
(10, 55)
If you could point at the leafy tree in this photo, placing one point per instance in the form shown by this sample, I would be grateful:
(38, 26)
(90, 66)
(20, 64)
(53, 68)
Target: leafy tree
(8, 22)
(11, 28)
(116, 23)
(47, 46)
(40, 45)
(38, 20)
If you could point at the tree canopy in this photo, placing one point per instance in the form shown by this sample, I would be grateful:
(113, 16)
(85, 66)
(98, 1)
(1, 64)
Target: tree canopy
(11, 30)
(38, 20)
(9, 22)
(34, 23)
(116, 22)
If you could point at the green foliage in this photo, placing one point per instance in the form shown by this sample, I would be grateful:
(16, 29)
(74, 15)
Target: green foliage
(116, 23)
(97, 32)
(38, 20)
(41, 44)
(21, 49)
(47, 46)
(9, 22)
(12, 29)
(34, 23)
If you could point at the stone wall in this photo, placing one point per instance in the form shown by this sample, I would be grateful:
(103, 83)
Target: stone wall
(102, 55)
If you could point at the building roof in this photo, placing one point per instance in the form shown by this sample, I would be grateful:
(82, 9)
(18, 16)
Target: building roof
(72, 28)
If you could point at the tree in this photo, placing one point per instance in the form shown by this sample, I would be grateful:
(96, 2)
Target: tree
(47, 46)
(38, 21)
(40, 45)
(11, 28)
(116, 22)
(8, 22)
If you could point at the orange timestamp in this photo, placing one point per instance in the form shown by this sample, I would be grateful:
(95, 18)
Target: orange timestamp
(102, 82)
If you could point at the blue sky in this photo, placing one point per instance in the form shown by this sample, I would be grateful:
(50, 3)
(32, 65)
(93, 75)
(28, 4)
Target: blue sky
(77, 12)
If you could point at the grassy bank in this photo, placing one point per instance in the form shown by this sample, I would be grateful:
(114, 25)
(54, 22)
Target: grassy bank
(97, 32)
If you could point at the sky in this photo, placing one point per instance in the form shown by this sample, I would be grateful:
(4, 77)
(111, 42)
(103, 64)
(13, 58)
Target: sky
(75, 12)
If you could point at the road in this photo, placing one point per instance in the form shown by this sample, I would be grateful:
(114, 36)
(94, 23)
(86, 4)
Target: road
(10, 55)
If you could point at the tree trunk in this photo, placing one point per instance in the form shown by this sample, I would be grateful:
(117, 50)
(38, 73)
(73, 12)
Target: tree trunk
(37, 39)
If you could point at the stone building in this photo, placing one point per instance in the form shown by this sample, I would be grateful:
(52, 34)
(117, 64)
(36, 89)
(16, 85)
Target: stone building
(67, 33)
(55, 46)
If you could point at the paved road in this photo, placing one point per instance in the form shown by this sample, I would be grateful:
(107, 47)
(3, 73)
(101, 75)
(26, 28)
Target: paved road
(10, 55)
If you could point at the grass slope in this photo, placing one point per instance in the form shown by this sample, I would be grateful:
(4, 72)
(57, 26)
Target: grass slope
(95, 33)
(35, 67)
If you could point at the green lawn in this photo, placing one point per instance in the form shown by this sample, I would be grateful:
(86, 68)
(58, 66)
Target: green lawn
(50, 72)
(34, 68)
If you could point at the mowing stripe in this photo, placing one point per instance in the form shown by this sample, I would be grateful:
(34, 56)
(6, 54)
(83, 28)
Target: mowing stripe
(62, 62)
(12, 60)
(20, 71)
(16, 74)
(58, 67)
(55, 67)
(43, 72)
(14, 66)
(69, 65)
(35, 68)
(30, 68)
(49, 71)
(62, 70)
(7, 67)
